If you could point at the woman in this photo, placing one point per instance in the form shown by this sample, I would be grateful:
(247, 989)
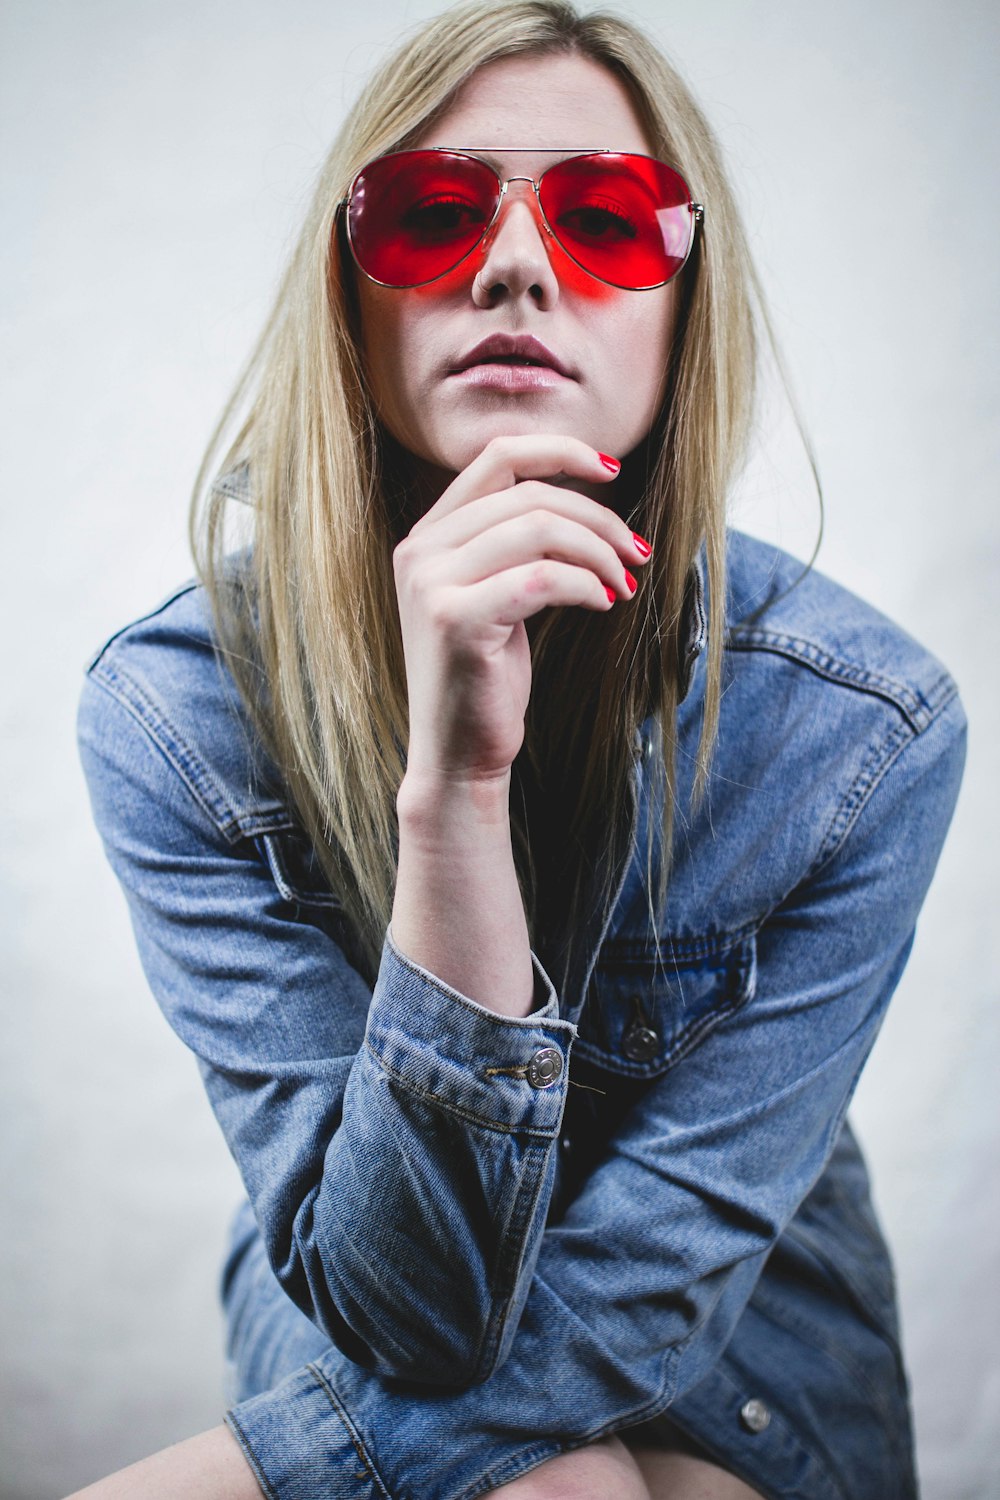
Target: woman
(528, 861)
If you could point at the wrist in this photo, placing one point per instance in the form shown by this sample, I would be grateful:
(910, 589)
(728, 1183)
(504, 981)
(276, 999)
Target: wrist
(428, 800)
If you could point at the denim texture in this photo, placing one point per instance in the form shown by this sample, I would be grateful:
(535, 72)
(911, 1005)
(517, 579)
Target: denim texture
(446, 1273)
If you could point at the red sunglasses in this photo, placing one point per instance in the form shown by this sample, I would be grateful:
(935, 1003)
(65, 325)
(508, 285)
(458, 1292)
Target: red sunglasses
(413, 216)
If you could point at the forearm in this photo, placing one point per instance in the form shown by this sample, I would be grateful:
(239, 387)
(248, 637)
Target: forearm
(210, 1466)
(458, 910)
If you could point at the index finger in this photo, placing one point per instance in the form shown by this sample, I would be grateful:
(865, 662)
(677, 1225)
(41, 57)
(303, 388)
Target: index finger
(505, 461)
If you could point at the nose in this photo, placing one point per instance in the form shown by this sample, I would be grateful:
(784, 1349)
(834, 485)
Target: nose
(515, 255)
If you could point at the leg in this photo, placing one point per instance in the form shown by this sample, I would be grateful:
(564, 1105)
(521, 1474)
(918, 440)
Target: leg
(602, 1471)
(676, 1475)
(608, 1470)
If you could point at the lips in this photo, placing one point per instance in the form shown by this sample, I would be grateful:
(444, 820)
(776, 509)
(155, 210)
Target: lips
(513, 350)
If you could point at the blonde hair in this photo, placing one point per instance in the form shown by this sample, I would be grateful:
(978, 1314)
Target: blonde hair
(310, 627)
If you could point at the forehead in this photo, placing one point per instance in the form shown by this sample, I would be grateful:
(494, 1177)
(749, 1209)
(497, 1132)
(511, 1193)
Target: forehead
(554, 101)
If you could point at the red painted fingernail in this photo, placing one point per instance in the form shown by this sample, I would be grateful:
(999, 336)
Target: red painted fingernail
(641, 545)
(610, 593)
(609, 462)
(630, 580)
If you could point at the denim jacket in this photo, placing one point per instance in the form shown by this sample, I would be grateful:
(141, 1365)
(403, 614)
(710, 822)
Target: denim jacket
(519, 1234)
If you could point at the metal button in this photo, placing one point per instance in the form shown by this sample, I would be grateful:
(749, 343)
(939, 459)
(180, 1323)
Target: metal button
(754, 1415)
(545, 1067)
(640, 1043)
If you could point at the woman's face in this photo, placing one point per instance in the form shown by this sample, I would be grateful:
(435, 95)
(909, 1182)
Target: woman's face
(612, 344)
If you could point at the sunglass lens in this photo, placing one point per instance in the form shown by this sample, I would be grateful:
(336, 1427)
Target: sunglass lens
(415, 214)
(626, 219)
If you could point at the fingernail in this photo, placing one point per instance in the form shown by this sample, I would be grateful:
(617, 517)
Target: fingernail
(641, 545)
(609, 462)
(630, 580)
(610, 593)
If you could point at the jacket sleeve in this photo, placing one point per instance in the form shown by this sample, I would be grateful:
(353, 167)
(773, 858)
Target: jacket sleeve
(398, 1163)
(638, 1288)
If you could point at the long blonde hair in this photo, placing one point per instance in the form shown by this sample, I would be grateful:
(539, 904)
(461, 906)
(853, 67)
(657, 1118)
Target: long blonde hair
(308, 622)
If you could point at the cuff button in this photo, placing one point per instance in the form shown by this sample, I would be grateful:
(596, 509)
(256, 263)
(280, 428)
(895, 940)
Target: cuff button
(544, 1068)
(754, 1415)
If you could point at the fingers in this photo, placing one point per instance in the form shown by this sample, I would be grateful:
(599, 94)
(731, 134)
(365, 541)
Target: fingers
(535, 535)
(504, 599)
(505, 461)
(540, 499)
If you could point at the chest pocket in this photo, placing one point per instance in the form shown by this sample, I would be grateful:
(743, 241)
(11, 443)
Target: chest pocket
(643, 1015)
(296, 870)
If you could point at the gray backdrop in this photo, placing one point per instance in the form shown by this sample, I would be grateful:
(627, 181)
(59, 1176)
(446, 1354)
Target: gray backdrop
(156, 161)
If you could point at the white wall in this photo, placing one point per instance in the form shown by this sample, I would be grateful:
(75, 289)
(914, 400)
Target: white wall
(156, 159)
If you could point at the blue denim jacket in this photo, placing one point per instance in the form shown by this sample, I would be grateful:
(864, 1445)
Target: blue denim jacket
(514, 1235)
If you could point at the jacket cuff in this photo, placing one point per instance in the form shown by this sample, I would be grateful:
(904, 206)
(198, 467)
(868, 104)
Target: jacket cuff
(300, 1442)
(508, 1072)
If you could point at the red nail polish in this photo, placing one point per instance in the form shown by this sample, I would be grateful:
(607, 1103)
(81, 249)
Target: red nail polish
(630, 580)
(610, 593)
(641, 545)
(609, 462)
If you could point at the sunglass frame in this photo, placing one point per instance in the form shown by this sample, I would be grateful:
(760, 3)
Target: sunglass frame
(567, 153)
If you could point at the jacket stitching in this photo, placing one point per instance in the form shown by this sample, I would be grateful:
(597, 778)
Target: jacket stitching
(918, 707)
(185, 761)
(542, 1132)
(502, 1023)
(370, 1471)
(859, 794)
(250, 1456)
(184, 588)
(529, 1190)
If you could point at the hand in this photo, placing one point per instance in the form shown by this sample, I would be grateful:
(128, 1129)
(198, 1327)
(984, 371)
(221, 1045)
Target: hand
(499, 545)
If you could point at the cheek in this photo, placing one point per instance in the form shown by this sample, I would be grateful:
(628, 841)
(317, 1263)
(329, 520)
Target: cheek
(390, 342)
(641, 341)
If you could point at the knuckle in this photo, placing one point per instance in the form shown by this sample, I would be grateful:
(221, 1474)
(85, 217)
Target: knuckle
(440, 612)
(544, 525)
(500, 446)
(541, 576)
(402, 556)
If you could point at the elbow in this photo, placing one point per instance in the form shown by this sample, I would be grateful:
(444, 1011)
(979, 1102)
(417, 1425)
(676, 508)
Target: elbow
(435, 1355)
(384, 1325)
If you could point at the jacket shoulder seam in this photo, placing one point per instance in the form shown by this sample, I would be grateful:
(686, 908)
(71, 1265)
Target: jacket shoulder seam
(882, 755)
(919, 707)
(189, 766)
(190, 587)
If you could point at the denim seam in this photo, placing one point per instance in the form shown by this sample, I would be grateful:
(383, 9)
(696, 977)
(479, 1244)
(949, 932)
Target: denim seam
(508, 1265)
(249, 1455)
(287, 888)
(491, 1018)
(192, 771)
(918, 707)
(511, 1469)
(464, 1113)
(790, 1432)
(812, 1242)
(370, 1470)
(687, 1038)
(858, 795)
(776, 1311)
(682, 951)
(185, 588)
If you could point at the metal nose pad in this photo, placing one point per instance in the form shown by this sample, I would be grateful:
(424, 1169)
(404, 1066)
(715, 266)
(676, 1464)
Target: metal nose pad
(505, 202)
